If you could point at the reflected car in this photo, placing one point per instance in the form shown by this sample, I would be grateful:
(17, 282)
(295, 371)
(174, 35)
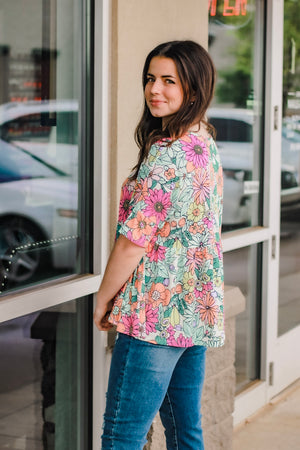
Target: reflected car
(38, 216)
(234, 128)
(46, 129)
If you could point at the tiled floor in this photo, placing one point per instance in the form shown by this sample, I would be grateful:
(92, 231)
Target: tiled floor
(275, 427)
(21, 419)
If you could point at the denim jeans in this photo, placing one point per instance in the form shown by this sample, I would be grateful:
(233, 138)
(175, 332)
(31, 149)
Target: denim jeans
(146, 378)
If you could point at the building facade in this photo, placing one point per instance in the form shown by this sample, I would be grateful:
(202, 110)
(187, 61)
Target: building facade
(70, 98)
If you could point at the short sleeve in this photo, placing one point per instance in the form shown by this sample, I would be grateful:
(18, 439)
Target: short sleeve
(149, 203)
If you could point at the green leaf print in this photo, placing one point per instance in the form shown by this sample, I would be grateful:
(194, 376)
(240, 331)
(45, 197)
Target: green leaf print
(187, 329)
(199, 335)
(186, 195)
(160, 340)
(168, 312)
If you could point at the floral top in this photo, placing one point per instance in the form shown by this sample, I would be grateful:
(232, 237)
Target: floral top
(173, 209)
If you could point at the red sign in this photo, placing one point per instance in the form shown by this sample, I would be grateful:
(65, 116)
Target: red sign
(230, 7)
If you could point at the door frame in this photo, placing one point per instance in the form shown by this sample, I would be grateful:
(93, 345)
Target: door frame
(283, 367)
(279, 367)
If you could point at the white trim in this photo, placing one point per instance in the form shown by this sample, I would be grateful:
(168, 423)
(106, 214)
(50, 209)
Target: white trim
(101, 203)
(286, 361)
(101, 136)
(249, 401)
(233, 240)
(46, 296)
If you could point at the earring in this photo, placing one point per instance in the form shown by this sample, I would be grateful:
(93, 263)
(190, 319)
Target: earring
(192, 103)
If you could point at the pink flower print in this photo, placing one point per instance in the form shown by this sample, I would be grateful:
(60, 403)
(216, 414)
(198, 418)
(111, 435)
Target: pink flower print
(154, 175)
(124, 208)
(141, 241)
(131, 324)
(156, 252)
(201, 289)
(157, 204)
(151, 319)
(184, 342)
(198, 291)
(194, 259)
(219, 249)
(208, 222)
(196, 152)
(171, 340)
(201, 186)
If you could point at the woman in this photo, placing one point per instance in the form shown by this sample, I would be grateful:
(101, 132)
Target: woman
(165, 272)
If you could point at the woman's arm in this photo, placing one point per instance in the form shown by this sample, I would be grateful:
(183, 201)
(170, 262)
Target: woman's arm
(123, 259)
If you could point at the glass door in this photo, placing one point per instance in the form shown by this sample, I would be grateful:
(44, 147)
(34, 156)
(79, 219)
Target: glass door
(281, 319)
(289, 278)
(236, 44)
(286, 360)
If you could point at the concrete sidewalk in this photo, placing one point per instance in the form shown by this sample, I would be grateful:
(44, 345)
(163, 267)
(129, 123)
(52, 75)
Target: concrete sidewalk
(275, 427)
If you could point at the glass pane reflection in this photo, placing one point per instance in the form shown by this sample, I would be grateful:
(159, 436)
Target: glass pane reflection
(289, 281)
(240, 269)
(43, 401)
(236, 34)
(40, 88)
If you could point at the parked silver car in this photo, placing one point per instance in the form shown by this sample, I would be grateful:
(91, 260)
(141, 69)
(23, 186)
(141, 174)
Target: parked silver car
(38, 192)
(234, 129)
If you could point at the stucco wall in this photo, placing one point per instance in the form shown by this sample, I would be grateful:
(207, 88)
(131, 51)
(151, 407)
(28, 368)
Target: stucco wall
(137, 27)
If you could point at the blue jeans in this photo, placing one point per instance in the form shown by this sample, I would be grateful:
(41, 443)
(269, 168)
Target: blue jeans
(146, 378)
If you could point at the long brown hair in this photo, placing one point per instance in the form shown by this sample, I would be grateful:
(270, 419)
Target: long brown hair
(197, 76)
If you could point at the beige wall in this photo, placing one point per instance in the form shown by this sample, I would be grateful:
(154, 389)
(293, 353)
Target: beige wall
(137, 27)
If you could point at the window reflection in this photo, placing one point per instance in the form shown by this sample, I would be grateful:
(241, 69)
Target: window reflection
(40, 88)
(240, 269)
(38, 190)
(235, 37)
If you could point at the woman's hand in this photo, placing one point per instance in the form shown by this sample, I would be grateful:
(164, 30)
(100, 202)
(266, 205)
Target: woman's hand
(123, 260)
(101, 314)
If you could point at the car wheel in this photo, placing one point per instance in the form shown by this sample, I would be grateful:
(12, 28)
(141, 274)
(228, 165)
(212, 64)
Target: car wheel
(20, 251)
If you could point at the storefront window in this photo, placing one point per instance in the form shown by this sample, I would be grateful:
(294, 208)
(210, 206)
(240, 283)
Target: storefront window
(42, 147)
(45, 370)
(289, 281)
(235, 44)
(240, 269)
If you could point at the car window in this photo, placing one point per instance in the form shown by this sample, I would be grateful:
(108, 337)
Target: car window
(25, 128)
(34, 128)
(232, 130)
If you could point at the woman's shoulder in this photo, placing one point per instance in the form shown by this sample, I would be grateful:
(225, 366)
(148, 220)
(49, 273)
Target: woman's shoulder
(192, 135)
(196, 146)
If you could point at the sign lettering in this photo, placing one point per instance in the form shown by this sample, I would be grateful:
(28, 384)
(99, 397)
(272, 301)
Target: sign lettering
(230, 7)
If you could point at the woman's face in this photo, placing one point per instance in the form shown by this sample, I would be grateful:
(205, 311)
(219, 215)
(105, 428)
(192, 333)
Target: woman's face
(163, 90)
